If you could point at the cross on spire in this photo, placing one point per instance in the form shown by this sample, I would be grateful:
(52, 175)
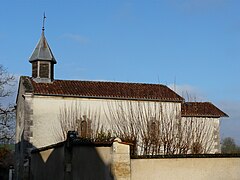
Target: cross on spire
(44, 17)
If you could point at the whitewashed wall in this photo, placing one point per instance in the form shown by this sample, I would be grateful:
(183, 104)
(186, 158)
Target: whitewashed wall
(209, 128)
(42, 114)
(46, 110)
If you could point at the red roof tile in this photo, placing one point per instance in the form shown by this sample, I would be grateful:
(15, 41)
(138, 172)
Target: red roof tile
(99, 89)
(201, 109)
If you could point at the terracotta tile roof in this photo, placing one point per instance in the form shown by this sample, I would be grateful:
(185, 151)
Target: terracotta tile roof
(201, 109)
(99, 89)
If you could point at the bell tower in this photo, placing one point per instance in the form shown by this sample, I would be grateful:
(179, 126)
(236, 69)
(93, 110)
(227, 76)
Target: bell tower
(42, 60)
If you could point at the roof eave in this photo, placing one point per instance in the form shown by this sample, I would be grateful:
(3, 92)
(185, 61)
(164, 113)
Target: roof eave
(113, 98)
(41, 59)
(206, 116)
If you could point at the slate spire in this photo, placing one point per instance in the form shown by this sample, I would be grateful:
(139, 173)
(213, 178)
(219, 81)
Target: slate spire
(42, 51)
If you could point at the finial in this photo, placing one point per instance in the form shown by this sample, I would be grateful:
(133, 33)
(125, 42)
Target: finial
(44, 17)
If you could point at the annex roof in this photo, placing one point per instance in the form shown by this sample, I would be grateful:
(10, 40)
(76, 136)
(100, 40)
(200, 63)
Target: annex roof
(201, 109)
(42, 51)
(99, 89)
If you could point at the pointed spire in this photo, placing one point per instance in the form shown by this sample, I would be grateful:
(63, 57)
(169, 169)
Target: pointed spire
(42, 51)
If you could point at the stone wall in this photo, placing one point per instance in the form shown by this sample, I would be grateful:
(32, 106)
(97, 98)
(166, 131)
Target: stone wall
(81, 161)
(112, 161)
(186, 168)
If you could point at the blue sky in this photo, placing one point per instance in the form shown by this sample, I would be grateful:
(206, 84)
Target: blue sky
(194, 43)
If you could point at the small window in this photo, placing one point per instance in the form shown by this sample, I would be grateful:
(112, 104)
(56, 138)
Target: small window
(153, 127)
(84, 128)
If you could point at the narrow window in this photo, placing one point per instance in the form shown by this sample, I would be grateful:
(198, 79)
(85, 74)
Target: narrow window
(153, 127)
(84, 128)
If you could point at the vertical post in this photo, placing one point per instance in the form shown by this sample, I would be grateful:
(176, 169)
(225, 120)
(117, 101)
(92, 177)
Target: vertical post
(10, 175)
(71, 135)
(67, 163)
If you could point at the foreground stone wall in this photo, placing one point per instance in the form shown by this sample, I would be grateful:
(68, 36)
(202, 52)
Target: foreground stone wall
(81, 161)
(112, 161)
(186, 168)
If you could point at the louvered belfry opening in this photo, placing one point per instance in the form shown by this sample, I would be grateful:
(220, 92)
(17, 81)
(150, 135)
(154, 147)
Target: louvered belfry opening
(35, 69)
(44, 70)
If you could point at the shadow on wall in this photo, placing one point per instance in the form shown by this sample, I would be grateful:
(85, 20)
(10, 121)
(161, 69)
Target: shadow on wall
(22, 159)
(72, 159)
(6, 161)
